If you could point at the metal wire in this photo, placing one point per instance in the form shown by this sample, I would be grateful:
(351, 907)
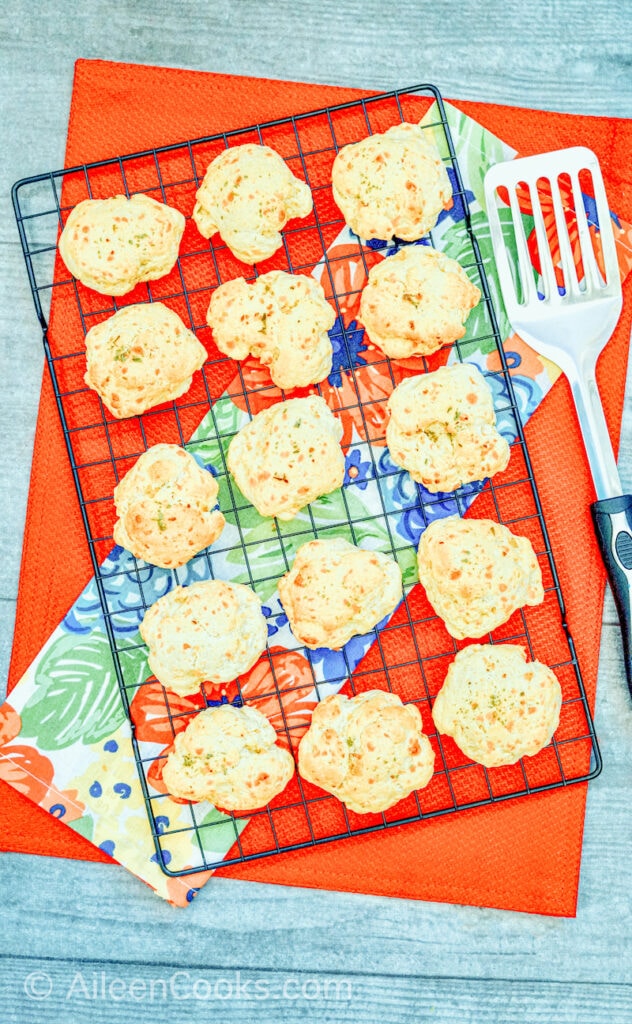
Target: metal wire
(411, 653)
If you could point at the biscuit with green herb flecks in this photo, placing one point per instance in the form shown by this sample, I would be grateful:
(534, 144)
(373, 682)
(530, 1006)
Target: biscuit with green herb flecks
(442, 428)
(416, 301)
(497, 706)
(368, 750)
(166, 506)
(111, 245)
(287, 456)
(392, 185)
(336, 590)
(248, 194)
(229, 756)
(140, 357)
(281, 319)
(477, 573)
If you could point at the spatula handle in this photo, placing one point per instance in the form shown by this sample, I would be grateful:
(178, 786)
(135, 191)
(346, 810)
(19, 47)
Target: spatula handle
(594, 429)
(613, 524)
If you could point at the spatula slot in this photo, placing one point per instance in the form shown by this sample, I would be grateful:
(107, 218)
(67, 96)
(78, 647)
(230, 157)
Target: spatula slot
(518, 283)
(571, 261)
(587, 208)
(543, 226)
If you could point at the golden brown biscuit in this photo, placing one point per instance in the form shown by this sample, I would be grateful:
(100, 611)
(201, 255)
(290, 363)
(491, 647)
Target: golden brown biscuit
(229, 756)
(287, 456)
(442, 428)
(281, 319)
(166, 507)
(140, 357)
(369, 750)
(248, 194)
(496, 707)
(416, 301)
(111, 245)
(335, 590)
(392, 185)
(210, 631)
(477, 573)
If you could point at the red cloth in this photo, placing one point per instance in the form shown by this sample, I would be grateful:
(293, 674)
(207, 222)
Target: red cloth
(522, 855)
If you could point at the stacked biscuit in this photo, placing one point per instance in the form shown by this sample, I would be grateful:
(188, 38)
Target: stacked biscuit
(369, 750)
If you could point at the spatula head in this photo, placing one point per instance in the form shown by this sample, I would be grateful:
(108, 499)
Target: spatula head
(554, 247)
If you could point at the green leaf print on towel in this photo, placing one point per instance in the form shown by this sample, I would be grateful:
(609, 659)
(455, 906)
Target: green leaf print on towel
(218, 831)
(76, 696)
(457, 245)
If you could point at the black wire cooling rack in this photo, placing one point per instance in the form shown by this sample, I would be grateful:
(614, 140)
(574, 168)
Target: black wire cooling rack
(411, 654)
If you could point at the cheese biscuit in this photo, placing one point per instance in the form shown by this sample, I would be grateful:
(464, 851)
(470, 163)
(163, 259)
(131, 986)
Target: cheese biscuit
(287, 456)
(166, 506)
(229, 756)
(140, 357)
(210, 631)
(248, 194)
(335, 590)
(416, 301)
(368, 750)
(111, 245)
(497, 706)
(281, 319)
(391, 185)
(442, 428)
(477, 573)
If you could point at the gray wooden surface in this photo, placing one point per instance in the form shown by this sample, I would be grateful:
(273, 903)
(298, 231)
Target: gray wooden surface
(82, 941)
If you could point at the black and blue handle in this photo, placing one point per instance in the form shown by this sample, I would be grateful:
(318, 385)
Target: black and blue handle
(613, 524)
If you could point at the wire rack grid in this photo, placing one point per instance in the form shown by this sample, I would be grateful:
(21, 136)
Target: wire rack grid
(411, 652)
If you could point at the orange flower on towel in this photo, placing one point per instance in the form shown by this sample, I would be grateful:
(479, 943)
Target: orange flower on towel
(158, 714)
(154, 774)
(520, 358)
(348, 265)
(281, 687)
(27, 770)
(10, 724)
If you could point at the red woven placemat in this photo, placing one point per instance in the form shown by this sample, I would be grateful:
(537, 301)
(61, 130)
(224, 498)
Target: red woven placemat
(523, 855)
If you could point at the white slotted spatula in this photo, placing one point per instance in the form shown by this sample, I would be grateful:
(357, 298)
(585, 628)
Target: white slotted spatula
(571, 322)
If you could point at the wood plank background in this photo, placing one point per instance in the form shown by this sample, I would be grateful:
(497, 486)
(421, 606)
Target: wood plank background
(106, 947)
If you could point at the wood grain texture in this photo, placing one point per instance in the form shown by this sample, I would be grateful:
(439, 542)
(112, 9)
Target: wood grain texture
(83, 992)
(405, 961)
(73, 909)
